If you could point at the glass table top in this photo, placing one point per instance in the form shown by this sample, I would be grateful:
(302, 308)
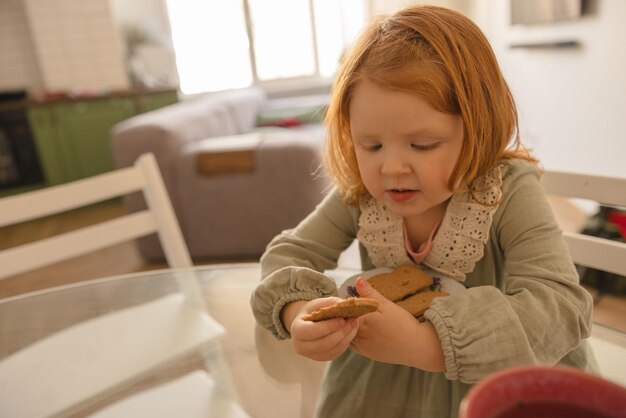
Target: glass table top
(145, 331)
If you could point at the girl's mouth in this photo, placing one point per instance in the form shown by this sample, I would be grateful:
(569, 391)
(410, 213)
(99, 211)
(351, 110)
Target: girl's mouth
(401, 195)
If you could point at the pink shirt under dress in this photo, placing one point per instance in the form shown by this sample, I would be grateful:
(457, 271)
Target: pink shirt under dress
(424, 248)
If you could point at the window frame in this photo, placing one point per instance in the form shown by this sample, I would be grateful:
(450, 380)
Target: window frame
(287, 84)
(315, 83)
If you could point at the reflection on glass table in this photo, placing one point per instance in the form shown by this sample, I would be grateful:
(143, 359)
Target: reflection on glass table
(164, 343)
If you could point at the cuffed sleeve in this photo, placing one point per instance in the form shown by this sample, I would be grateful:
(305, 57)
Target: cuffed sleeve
(294, 262)
(287, 285)
(479, 333)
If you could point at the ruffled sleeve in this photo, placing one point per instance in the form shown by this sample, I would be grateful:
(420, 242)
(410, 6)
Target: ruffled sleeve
(293, 263)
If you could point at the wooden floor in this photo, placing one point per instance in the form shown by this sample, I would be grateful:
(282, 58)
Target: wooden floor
(125, 258)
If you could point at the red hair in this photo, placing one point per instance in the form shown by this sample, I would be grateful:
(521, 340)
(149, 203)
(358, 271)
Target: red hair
(443, 57)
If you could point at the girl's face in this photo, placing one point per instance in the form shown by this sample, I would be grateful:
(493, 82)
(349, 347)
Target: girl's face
(405, 149)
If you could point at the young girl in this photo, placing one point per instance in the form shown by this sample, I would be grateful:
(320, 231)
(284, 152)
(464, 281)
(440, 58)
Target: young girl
(429, 170)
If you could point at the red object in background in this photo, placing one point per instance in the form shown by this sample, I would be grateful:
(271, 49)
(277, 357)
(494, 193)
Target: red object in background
(504, 393)
(286, 123)
(51, 95)
(619, 219)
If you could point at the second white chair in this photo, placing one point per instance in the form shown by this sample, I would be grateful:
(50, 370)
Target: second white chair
(598, 253)
(143, 177)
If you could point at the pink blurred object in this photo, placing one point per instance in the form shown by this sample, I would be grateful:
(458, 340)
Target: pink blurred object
(543, 391)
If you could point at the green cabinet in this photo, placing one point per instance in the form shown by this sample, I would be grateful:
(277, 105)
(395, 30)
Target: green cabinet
(45, 131)
(73, 137)
(148, 102)
(85, 133)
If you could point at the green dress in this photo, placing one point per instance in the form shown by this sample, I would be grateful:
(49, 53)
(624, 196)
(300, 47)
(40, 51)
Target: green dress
(523, 303)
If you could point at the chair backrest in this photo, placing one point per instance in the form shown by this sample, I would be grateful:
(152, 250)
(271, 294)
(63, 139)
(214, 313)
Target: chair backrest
(143, 176)
(599, 253)
(608, 344)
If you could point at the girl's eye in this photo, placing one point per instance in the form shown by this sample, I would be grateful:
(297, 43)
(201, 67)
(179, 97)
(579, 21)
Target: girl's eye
(424, 147)
(370, 146)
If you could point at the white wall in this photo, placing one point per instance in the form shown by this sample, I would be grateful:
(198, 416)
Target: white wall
(145, 25)
(18, 65)
(146, 14)
(77, 45)
(572, 102)
(50, 45)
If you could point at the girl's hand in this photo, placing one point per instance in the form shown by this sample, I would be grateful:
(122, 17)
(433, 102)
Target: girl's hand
(392, 335)
(323, 340)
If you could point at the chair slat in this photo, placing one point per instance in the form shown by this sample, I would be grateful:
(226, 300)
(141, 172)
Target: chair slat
(606, 190)
(598, 253)
(75, 243)
(24, 207)
(144, 176)
(158, 202)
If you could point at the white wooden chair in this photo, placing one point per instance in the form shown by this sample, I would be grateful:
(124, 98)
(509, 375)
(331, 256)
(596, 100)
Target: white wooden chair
(609, 345)
(144, 176)
(55, 375)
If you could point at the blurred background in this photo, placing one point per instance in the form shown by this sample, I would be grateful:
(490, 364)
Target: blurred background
(564, 59)
(70, 70)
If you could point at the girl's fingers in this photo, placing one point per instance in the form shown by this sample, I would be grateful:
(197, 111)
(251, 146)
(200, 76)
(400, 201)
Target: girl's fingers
(331, 345)
(313, 331)
(348, 337)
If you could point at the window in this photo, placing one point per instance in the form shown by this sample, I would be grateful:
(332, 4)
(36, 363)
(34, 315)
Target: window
(228, 44)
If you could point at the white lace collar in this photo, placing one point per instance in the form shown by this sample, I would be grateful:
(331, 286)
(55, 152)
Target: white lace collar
(458, 244)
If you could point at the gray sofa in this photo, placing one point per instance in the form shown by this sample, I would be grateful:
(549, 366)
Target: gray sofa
(234, 185)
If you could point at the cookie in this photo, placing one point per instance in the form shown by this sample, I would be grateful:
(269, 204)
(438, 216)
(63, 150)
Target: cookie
(346, 308)
(403, 281)
(419, 302)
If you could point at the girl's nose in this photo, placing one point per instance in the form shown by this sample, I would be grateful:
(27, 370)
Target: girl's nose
(395, 165)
